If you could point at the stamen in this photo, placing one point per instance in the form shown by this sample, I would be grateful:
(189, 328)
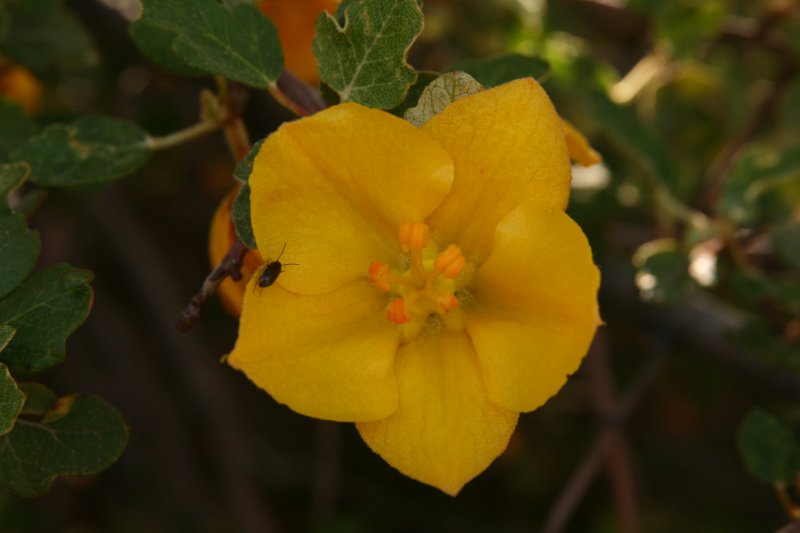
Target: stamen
(450, 262)
(447, 302)
(425, 289)
(413, 236)
(396, 312)
(377, 275)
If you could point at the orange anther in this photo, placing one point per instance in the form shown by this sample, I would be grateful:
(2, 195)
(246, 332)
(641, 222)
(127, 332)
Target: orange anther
(447, 302)
(396, 312)
(377, 275)
(450, 262)
(413, 235)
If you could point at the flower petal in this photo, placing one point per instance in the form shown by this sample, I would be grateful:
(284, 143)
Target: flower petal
(329, 356)
(296, 23)
(445, 431)
(536, 306)
(336, 186)
(504, 141)
(19, 85)
(579, 148)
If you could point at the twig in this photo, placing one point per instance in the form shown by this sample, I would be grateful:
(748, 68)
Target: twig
(617, 457)
(237, 138)
(234, 97)
(182, 136)
(577, 486)
(230, 266)
(583, 476)
(231, 99)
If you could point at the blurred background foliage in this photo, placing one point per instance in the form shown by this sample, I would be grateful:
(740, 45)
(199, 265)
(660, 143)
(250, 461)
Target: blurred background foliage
(694, 219)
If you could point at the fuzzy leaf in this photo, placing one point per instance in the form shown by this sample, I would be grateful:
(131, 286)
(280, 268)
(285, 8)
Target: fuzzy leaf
(17, 128)
(364, 59)
(205, 36)
(12, 175)
(80, 435)
(38, 398)
(11, 400)
(19, 248)
(6, 334)
(43, 33)
(445, 90)
(89, 150)
(44, 310)
(240, 210)
(424, 78)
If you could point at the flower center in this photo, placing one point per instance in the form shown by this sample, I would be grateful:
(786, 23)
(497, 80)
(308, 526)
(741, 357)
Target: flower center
(426, 288)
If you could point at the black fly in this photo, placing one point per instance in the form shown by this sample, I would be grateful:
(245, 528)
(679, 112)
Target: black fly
(273, 269)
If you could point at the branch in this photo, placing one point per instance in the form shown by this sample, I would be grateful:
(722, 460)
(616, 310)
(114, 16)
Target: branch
(182, 136)
(617, 457)
(585, 474)
(227, 106)
(230, 266)
(702, 325)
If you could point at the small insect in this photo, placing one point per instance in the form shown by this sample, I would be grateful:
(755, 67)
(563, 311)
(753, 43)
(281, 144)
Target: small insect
(273, 269)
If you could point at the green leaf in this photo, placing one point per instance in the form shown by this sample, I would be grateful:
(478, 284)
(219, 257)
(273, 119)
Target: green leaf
(424, 78)
(12, 175)
(786, 241)
(445, 90)
(154, 35)
(38, 398)
(42, 34)
(240, 210)
(6, 334)
(235, 41)
(19, 248)
(364, 59)
(11, 400)
(494, 71)
(80, 435)
(245, 166)
(684, 27)
(662, 274)
(90, 150)
(17, 128)
(756, 172)
(622, 127)
(44, 310)
(29, 202)
(240, 215)
(766, 446)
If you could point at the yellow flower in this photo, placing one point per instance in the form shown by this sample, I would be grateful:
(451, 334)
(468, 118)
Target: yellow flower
(440, 288)
(296, 21)
(19, 85)
(221, 237)
(578, 146)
